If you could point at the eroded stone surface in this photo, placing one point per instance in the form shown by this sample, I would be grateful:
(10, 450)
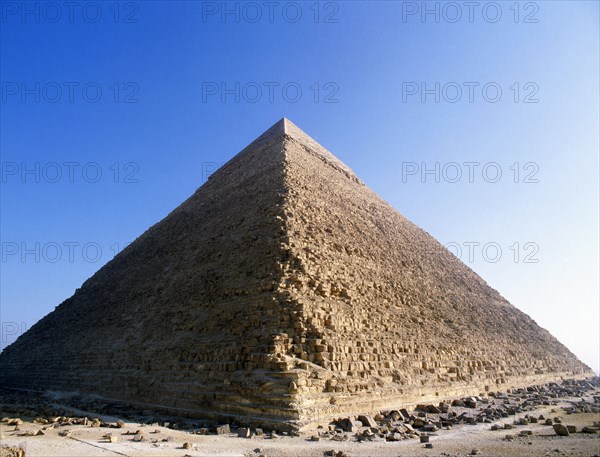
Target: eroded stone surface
(284, 291)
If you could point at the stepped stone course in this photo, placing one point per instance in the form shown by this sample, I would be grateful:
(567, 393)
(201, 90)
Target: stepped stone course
(284, 292)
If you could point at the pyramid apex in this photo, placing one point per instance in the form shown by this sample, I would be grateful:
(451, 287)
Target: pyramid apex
(296, 133)
(286, 128)
(284, 125)
(287, 124)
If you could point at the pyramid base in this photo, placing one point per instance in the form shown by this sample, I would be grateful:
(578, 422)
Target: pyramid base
(309, 412)
(319, 409)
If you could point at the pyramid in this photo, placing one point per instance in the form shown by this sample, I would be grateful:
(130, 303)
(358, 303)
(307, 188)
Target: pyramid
(284, 292)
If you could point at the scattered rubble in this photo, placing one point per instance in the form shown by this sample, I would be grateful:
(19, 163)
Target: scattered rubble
(111, 437)
(223, 429)
(513, 409)
(12, 451)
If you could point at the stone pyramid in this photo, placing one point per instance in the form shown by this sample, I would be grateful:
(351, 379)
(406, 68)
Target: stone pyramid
(283, 292)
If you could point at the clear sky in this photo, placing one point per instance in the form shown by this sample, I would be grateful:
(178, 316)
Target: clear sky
(479, 123)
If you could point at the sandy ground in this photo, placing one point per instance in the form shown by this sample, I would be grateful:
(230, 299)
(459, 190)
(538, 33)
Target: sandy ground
(87, 441)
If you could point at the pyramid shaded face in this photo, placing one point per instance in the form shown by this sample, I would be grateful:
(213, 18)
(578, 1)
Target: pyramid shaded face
(284, 291)
(185, 317)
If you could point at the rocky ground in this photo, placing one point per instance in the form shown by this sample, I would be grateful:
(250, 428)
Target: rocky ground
(548, 420)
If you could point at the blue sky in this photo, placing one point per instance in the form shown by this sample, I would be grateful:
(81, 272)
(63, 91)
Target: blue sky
(113, 113)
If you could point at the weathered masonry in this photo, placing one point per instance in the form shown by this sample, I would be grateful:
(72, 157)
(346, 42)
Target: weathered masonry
(282, 292)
